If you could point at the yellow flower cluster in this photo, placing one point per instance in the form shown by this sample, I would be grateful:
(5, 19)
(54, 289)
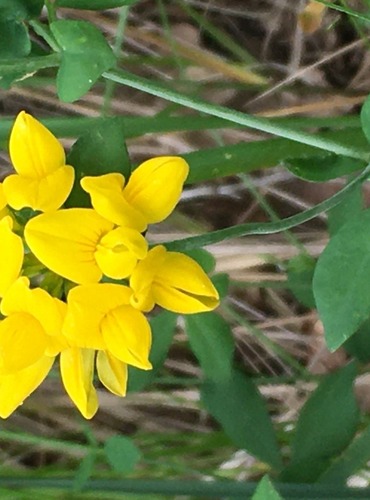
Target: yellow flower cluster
(99, 321)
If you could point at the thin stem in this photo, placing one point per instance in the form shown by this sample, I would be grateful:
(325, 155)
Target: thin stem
(262, 124)
(268, 227)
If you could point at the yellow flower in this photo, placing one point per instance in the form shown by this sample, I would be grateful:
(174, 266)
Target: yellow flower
(174, 281)
(30, 338)
(100, 318)
(43, 181)
(151, 194)
(80, 245)
(11, 255)
(77, 371)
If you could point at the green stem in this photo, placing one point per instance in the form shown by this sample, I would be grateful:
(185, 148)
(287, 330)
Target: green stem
(210, 489)
(262, 124)
(268, 227)
(346, 10)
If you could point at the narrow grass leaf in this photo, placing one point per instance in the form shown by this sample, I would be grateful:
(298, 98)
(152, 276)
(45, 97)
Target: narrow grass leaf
(85, 56)
(212, 342)
(163, 329)
(266, 491)
(341, 281)
(94, 4)
(239, 408)
(326, 425)
(99, 151)
(122, 454)
(365, 118)
(84, 471)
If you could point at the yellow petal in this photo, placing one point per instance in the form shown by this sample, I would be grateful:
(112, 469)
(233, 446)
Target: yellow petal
(34, 150)
(127, 335)
(112, 373)
(65, 241)
(46, 193)
(119, 250)
(11, 255)
(108, 200)
(87, 306)
(15, 388)
(142, 277)
(22, 342)
(77, 370)
(3, 201)
(181, 302)
(155, 187)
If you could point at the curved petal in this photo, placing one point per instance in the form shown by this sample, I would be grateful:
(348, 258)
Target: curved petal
(46, 193)
(142, 277)
(181, 302)
(22, 342)
(34, 150)
(112, 373)
(3, 201)
(119, 250)
(107, 199)
(11, 255)
(154, 188)
(127, 335)
(65, 241)
(87, 306)
(15, 388)
(77, 370)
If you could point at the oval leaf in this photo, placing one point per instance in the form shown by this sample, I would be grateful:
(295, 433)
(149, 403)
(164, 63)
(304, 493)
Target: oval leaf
(212, 342)
(85, 56)
(238, 406)
(122, 454)
(326, 425)
(341, 282)
(323, 168)
(266, 491)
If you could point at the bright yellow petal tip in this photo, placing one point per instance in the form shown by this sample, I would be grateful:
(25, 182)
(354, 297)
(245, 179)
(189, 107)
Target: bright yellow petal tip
(174, 281)
(43, 181)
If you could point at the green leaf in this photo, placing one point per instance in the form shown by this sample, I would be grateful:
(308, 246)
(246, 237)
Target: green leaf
(350, 207)
(163, 329)
(84, 471)
(221, 282)
(341, 282)
(300, 273)
(94, 4)
(100, 151)
(20, 9)
(85, 56)
(14, 39)
(326, 425)
(212, 342)
(323, 168)
(359, 344)
(12, 70)
(122, 454)
(239, 408)
(266, 491)
(365, 118)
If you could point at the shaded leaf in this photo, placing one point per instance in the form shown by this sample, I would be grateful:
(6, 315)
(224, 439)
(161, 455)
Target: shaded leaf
(300, 275)
(323, 168)
(100, 151)
(326, 425)
(221, 282)
(163, 330)
(212, 342)
(359, 344)
(341, 281)
(365, 118)
(85, 56)
(239, 408)
(84, 471)
(122, 454)
(14, 39)
(349, 208)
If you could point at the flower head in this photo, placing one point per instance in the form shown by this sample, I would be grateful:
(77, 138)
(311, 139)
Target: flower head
(151, 194)
(81, 246)
(174, 281)
(43, 181)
